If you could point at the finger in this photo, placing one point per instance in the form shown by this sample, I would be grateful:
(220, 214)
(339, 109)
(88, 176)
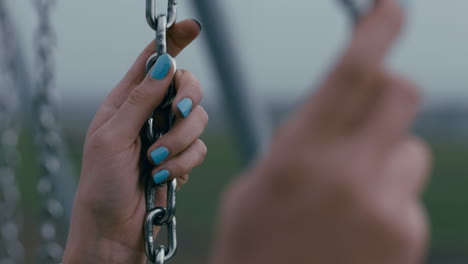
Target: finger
(189, 93)
(179, 138)
(181, 164)
(347, 92)
(181, 181)
(394, 111)
(180, 36)
(374, 36)
(417, 231)
(406, 170)
(130, 117)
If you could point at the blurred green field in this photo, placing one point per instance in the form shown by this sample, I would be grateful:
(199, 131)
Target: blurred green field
(445, 198)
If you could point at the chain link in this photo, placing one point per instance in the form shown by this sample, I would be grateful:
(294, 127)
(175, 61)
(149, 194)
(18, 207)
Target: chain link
(12, 250)
(152, 131)
(151, 16)
(48, 138)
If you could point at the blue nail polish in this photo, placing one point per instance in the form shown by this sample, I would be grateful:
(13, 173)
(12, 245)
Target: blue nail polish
(161, 176)
(162, 67)
(185, 107)
(159, 155)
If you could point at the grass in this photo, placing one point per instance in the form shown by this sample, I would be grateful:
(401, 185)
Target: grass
(446, 197)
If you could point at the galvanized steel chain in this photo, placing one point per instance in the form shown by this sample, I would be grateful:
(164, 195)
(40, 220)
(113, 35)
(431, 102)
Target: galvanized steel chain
(47, 135)
(159, 123)
(12, 250)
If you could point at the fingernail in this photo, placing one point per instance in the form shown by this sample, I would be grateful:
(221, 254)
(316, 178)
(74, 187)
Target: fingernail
(162, 67)
(185, 107)
(159, 155)
(199, 24)
(161, 176)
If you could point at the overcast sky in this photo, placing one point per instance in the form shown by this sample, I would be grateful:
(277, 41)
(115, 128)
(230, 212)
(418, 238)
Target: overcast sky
(98, 40)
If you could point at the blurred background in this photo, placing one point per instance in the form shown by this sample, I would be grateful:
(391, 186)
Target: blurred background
(282, 50)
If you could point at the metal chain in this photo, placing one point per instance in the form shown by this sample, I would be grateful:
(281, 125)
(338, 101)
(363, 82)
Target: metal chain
(152, 131)
(12, 250)
(47, 134)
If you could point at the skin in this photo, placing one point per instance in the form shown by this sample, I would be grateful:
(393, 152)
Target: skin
(340, 184)
(109, 207)
(343, 178)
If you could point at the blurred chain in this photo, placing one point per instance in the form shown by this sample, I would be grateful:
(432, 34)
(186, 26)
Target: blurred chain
(152, 131)
(48, 138)
(357, 8)
(12, 251)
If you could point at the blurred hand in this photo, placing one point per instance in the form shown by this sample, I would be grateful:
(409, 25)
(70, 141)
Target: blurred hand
(342, 181)
(109, 206)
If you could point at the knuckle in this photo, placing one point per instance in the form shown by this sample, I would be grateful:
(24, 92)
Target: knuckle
(354, 69)
(179, 169)
(425, 152)
(350, 191)
(189, 76)
(421, 149)
(175, 143)
(338, 186)
(403, 235)
(199, 89)
(101, 138)
(196, 91)
(195, 83)
(188, 79)
(202, 115)
(178, 145)
(396, 227)
(416, 230)
(180, 75)
(378, 215)
(137, 96)
(411, 238)
(421, 155)
(202, 151)
(274, 163)
(401, 95)
(298, 168)
(182, 180)
(406, 93)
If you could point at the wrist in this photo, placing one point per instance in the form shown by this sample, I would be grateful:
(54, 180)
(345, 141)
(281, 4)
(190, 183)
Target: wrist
(89, 243)
(100, 250)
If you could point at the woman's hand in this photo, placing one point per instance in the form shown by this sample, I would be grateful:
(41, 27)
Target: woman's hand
(342, 181)
(109, 206)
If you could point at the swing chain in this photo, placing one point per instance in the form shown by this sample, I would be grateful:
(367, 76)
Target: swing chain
(12, 250)
(152, 131)
(356, 8)
(48, 138)
(151, 16)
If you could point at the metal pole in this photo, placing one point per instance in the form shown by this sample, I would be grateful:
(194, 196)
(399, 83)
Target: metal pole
(250, 125)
